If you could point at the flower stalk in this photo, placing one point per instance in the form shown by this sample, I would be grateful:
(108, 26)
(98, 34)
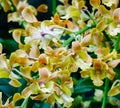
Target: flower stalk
(77, 33)
(24, 103)
(117, 42)
(105, 92)
(53, 7)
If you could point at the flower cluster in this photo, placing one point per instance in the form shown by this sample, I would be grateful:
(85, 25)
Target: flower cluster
(47, 58)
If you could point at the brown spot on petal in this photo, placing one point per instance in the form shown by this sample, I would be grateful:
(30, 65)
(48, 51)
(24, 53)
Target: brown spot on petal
(97, 65)
(42, 59)
(76, 46)
(44, 74)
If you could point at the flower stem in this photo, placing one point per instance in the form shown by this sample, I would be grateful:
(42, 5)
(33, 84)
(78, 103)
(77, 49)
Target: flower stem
(53, 7)
(77, 33)
(84, 29)
(105, 92)
(117, 42)
(24, 103)
(68, 41)
(108, 39)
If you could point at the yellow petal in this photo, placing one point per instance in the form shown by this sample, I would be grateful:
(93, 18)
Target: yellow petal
(43, 59)
(84, 74)
(32, 89)
(103, 10)
(71, 12)
(114, 63)
(44, 74)
(97, 36)
(15, 83)
(114, 91)
(42, 8)
(98, 82)
(6, 5)
(116, 15)
(17, 97)
(81, 4)
(110, 3)
(11, 105)
(3, 62)
(0, 99)
(24, 61)
(51, 99)
(34, 52)
(95, 3)
(67, 100)
(86, 40)
(17, 35)
(26, 71)
(76, 46)
(13, 59)
(69, 24)
(28, 15)
(41, 96)
(13, 17)
(101, 25)
(27, 92)
(83, 55)
(30, 30)
(110, 74)
(66, 90)
(4, 74)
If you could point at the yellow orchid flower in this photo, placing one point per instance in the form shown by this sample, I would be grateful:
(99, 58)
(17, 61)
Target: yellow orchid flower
(46, 33)
(23, 11)
(115, 89)
(5, 68)
(71, 12)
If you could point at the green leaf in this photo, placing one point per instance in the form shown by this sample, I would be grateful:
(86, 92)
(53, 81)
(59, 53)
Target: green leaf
(84, 85)
(1, 40)
(5, 87)
(77, 103)
(10, 45)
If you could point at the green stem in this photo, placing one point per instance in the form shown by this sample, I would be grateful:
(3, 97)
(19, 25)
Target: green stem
(53, 7)
(105, 93)
(89, 15)
(68, 41)
(84, 29)
(117, 42)
(77, 33)
(24, 103)
(108, 39)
